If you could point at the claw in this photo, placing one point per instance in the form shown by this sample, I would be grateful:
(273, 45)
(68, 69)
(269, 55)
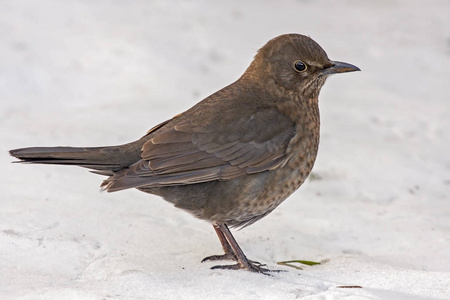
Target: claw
(252, 267)
(226, 256)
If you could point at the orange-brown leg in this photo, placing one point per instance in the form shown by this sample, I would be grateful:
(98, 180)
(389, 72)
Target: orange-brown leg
(234, 252)
(229, 254)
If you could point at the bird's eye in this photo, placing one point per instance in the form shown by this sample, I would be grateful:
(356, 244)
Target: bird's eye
(299, 66)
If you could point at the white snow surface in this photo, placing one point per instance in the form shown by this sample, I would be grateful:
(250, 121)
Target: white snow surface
(93, 73)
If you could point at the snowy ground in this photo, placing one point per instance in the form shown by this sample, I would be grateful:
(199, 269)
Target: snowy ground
(104, 72)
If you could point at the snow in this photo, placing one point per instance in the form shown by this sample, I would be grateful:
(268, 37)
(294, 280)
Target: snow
(91, 73)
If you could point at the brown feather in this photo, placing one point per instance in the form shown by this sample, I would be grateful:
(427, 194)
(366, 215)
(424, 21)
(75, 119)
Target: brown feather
(185, 153)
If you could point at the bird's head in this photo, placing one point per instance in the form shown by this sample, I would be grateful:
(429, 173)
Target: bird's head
(294, 63)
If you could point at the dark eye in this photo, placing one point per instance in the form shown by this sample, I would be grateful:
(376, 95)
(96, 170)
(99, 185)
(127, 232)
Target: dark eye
(299, 66)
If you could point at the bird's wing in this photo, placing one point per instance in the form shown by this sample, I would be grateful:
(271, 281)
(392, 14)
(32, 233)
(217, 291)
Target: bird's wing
(187, 153)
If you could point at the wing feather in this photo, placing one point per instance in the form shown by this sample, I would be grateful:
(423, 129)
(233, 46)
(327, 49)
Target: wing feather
(187, 153)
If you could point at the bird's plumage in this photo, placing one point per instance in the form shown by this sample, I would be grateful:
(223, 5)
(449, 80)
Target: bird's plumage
(233, 157)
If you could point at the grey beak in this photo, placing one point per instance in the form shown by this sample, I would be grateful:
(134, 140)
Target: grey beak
(340, 67)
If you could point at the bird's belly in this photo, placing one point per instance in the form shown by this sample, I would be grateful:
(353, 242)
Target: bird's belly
(240, 201)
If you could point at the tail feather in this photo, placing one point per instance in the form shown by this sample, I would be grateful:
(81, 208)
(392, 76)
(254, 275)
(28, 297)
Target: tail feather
(104, 160)
(85, 157)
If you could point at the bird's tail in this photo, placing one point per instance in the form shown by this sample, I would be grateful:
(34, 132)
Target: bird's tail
(104, 160)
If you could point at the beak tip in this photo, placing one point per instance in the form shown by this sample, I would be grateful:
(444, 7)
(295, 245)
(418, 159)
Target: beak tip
(343, 67)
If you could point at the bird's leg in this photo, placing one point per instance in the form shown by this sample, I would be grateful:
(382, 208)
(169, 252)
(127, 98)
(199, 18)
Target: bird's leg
(243, 262)
(229, 253)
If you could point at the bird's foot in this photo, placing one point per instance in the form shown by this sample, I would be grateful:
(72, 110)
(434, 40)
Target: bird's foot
(226, 256)
(249, 265)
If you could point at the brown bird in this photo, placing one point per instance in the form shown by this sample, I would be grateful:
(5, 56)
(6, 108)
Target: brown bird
(232, 158)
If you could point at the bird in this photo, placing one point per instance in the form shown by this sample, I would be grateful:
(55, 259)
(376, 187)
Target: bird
(233, 157)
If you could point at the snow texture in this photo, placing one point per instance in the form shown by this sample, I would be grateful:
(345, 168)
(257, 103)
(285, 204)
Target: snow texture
(376, 213)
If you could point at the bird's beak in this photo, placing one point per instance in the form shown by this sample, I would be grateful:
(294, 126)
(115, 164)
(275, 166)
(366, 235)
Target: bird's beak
(339, 67)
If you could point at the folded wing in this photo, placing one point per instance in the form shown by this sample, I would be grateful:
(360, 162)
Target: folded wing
(187, 153)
